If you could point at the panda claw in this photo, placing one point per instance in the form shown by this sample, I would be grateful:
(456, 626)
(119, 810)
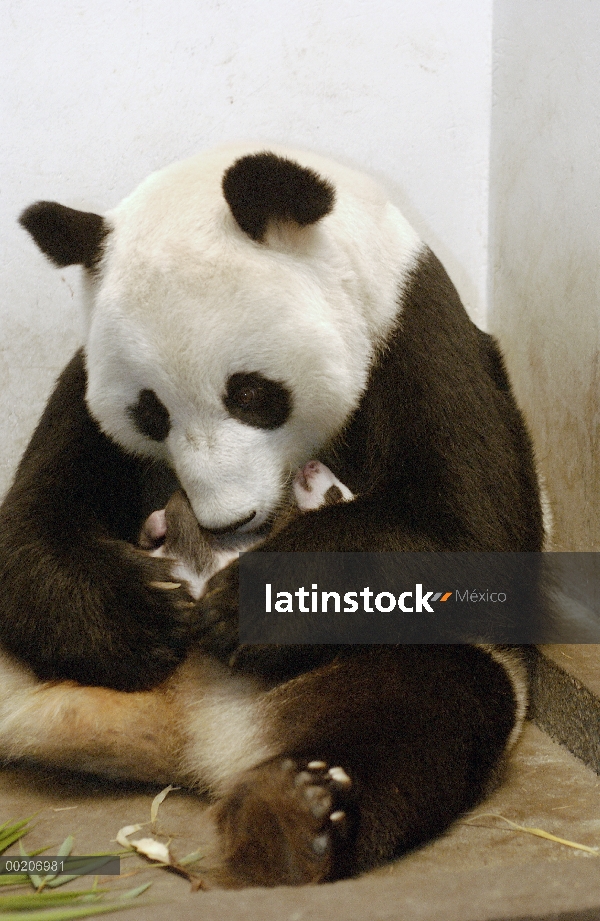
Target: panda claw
(320, 845)
(339, 775)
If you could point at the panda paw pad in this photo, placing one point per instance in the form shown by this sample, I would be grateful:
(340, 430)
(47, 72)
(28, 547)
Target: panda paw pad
(285, 823)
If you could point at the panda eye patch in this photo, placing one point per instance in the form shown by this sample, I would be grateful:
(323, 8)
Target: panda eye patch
(150, 416)
(258, 401)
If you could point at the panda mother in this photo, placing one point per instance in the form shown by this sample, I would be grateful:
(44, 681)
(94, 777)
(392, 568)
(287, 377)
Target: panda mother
(247, 310)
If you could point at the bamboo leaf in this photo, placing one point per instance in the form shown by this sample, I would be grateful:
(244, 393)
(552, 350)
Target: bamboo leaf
(66, 847)
(35, 879)
(191, 858)
(10, 825)
(11, 832)
(158, 799)
(37, 900)
(55, 906)
(133, 893)
(153, 850)
(123, 835)
(540, 833)
(55, 882)
(64, 914)
(63, 851)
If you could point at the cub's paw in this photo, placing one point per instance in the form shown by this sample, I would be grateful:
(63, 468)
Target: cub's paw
(285, 823)
(217, 627)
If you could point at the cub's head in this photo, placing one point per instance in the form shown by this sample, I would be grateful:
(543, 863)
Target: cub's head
(234, 304)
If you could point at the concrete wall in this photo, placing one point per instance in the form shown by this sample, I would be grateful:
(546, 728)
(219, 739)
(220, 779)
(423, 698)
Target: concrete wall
(97, 95)
(545, 241)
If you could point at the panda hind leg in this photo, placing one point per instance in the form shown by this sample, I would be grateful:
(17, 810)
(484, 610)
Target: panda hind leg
(378, 751)
(66, 726)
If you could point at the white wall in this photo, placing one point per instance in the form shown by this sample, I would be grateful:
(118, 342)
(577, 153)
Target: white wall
(545, 242)
(97, 95)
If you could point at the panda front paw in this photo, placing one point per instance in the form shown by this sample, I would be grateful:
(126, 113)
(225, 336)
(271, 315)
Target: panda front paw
(145, 630)
(217, 627)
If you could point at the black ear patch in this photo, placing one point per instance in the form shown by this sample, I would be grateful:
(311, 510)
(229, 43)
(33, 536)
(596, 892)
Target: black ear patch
(66, 236)
(263, 186)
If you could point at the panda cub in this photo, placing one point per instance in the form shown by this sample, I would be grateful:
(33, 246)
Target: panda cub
(246, 311)
(174, 534)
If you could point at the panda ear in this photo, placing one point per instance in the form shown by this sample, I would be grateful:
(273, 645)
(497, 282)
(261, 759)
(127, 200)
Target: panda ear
(66, 236)
(263, 187)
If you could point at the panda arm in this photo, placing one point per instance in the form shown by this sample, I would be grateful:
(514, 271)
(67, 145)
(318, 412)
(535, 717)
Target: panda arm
(77, 599)
(367, 524)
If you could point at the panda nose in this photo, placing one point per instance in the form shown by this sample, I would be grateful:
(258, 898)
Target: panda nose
(231, 528)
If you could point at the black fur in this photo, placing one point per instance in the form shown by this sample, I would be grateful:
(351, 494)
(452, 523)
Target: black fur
(255, 400)
(419, 730)
(77, 600)
(150, 416)
(66, 236)
(262, 187)
(438, 436)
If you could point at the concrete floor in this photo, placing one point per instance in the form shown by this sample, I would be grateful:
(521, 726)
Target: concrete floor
(482, 869)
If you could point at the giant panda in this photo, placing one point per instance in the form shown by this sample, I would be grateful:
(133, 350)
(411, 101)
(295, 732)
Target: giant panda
(247, 310)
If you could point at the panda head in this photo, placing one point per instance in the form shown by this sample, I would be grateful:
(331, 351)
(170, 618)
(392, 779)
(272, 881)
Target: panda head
(236, 302)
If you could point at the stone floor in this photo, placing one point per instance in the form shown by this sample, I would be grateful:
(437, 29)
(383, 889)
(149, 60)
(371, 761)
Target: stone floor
(482, 869)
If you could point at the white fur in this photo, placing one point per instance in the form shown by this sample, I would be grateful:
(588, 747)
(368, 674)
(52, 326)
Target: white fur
(91, 729)
(200, 727)
(185, 299)
(311, 484)
(225, 727)
(197, 582)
